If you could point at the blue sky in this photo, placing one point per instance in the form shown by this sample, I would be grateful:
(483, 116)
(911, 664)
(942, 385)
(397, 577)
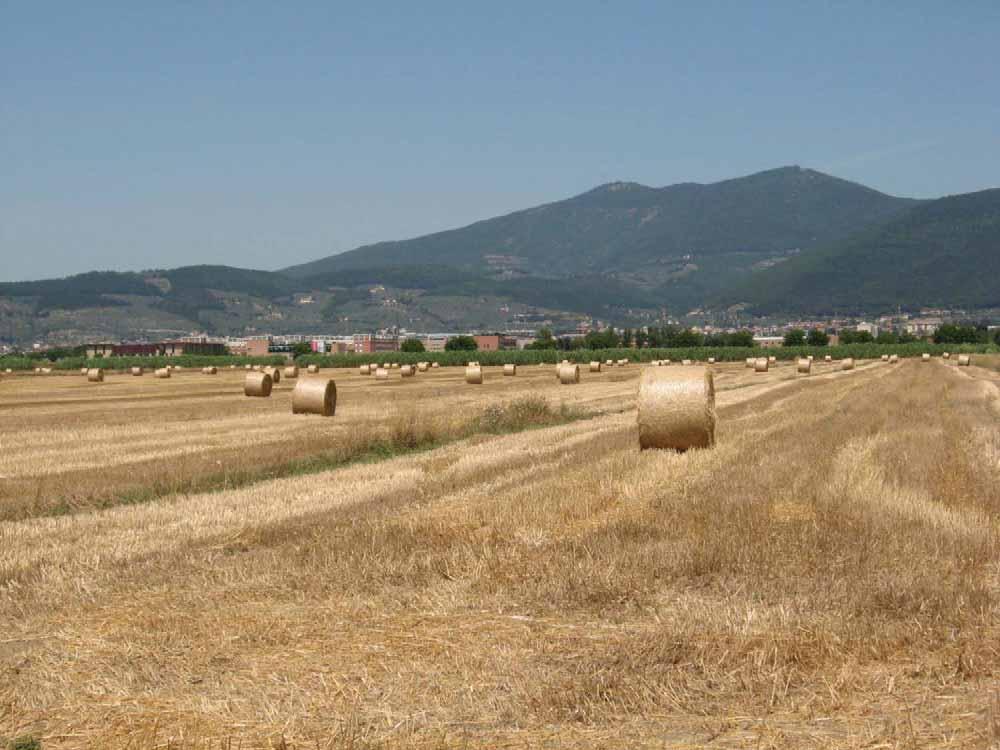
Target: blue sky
(140, 135)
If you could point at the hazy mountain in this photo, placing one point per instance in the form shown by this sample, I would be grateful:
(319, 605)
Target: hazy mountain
(943, 253)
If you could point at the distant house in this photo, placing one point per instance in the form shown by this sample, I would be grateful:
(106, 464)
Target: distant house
(495, 342)
(769, 342)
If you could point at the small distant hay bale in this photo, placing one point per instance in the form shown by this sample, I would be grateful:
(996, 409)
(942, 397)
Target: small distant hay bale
(256, 368)
(232, 367)
(595, 366)
(761, 364)
(750, 362)
(162, 373)
(95, 375)
(83, 370)
(772, 359)
(312, 369)
(676, 409)
(395, 365)
(366, 369)
(946, 355)
(964, 360)
(275, 374)
(509, 370)
(569, 374)
(435, 365)
(885, 357)
(622, 362)
(407, 371)
(686, 362)
(711, 360)
(422, 366)
(48, 371)
(209, 371)
(925, 357)
(847, 363)
(804, 366)
(828, 358)
(893, 359)
(381, 373)
(810, 358)
(609, 362)
(247, 367)
(258, 385)
(474, 375)
(315, 396)
(291, 372)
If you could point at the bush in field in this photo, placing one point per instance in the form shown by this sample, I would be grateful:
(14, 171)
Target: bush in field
(461, 344)
(795, 337)
(412, 345)
(817, 337)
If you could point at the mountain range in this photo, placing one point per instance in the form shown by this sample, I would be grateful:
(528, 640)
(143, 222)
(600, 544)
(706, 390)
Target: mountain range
(788, 240)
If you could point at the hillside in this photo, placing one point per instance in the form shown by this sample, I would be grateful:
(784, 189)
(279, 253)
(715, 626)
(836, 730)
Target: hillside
(944, 253)
(683, 241)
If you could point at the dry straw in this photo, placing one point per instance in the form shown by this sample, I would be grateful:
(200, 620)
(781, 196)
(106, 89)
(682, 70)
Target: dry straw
(209, 371)
(885, 357)
(609, 362)
(258, 384)
(772, 359)
(381, 373)
(893, 359)
(275, 374)
(760, 364)
(676, 409)
(810, 358)
(162, 373)
(569, 374)
(474, 375)
(422, 366)
(964, 360)
(711, 360)
(847, 364)
(804, 366)
(435, 364)
(83, 370)
(314, 396)
(622, 362)
(291, 372)
(750, 362)
(925, 357)
(95, 375)
(595, 366)
(247, 367)
(395, 365)
(137, 371)
(313, 369)
(686, 362)
(510, 370)
(828, 358)
(256, 368)
(407, 371)
(366, 369)
(946, 355)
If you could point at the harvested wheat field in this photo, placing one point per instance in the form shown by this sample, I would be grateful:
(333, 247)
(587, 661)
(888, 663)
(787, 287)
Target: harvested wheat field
(443, 566)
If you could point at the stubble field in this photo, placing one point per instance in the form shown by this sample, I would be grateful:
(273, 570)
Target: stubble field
(447, 565)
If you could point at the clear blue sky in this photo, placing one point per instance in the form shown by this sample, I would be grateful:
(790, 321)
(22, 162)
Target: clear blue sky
(138, 135)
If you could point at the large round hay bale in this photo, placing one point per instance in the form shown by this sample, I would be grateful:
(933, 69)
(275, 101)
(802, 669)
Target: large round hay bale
(595, 366)
(925, 357)
(136, 371)
(509, 370)
(964, 360)
(569, 374)
(847, 363)
(422, 366)
(407, 371)
(366, 370)
(313, 369)
(803, 366)
(474, 375)
(258, 384)
(314, 396)
(95, 375)
(761, 364)
(291, 372)
(676, 409)
(275, 374)
(381, 373)
(162, 373)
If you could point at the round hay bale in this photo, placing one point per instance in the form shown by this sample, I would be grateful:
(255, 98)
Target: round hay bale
(275, 374)
(711, 360)
(609, 362)
(291, 372)
(162, 373)
(509, 370)
(622, 362)
(474, 375)
(946, 355)
(366, 369)
(209, 370)
(750, 362)
(256, 368)
(381, 373)
(232, 367)
(761, 364)
(95, 375)
(772, 359)
(435, 365)
(315, 396)
(885, 357)
(804, 366)
(137, 371)
(407, 371)
(847, 363)
(893, 359)
(686, 362)
(569, 374)
(828, 358)
(48, 371)
(312, 369)
(925, 357)
(83, 370)
(258, 384)
(810, 358)
(595, 366)
(395, 365)
(676, 409)
(964, 360)
(247, 367)
(422, 366)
